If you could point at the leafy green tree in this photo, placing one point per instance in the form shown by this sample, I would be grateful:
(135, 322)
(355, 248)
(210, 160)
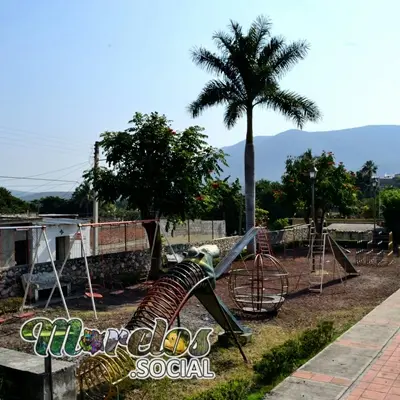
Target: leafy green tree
(225, 201)
(390, 203)
(158, 171)
(82, 199)
(334, 186)
(248, 69)
(10, 204)
(364, 179)
(261, 217)
(52, 205)
(266, 200)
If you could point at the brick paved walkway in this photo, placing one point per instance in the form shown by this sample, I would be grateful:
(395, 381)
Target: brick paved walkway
(362, 364)
(382, 379)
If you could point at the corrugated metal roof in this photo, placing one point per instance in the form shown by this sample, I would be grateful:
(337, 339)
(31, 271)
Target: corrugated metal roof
(351, 227)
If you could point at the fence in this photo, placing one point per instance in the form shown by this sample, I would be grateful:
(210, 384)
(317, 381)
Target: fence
(131, 236)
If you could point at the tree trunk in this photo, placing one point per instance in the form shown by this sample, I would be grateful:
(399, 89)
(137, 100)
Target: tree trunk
(249, 178)
(152, 230)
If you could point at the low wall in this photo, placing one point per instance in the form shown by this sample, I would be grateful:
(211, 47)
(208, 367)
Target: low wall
(134, 262)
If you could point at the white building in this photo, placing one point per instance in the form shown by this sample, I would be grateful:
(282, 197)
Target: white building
(19, 243)
(60, 234)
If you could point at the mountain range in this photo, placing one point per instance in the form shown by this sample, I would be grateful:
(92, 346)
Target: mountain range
(354, 146)
(30, 196)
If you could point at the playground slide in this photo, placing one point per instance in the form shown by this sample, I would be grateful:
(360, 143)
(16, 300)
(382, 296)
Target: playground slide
(193, 276)
(342, 259)
(217, 309)
(226, 262)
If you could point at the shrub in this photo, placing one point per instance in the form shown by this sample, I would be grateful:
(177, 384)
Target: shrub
(231, 390)
(279, 224)
(313, 340)
(10, 305)
(279, 362)
(284, 359)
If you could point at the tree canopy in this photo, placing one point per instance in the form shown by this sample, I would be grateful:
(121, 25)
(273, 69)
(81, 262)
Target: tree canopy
(10, 204)
(334, 186)
(226, 202)
(157, 170)
(390, 200)
(364, 178)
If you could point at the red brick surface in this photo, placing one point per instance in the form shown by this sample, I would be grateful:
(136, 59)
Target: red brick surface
(382, 380)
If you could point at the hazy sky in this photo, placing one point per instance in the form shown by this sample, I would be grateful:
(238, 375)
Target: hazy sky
(73, 69)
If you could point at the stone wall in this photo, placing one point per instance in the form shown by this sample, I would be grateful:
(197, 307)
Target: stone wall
(136, 263)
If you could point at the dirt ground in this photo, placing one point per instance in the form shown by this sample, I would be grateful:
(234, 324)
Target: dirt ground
(372, 286)
(345, 301)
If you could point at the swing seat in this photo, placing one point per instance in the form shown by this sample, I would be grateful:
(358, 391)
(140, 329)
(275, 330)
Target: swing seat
(117, 292)
(29, 314)
(95, 295)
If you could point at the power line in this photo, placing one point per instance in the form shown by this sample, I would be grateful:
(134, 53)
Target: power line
(41, 135)
(54, 171)
(23, 143)
(36, 179)
(44, 186)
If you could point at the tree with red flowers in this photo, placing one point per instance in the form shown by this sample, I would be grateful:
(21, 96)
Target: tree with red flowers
(334, 186)
(157, 170)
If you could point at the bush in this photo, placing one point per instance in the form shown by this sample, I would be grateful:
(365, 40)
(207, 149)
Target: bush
(279, 362)
(279, 224)
(313, 340)
(284, 359)
(231, 390)
(10, 305)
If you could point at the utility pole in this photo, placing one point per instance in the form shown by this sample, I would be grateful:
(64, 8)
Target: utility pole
(95, 201)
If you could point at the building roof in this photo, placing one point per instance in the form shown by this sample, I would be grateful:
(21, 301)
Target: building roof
(59, 216)
(62, 221)
(351, 227)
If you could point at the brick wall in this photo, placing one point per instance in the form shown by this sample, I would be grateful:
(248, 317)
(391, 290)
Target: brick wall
(109, 235)
(132, 236)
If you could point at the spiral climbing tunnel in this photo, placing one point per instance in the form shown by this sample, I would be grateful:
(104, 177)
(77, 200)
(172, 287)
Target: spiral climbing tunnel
(100, 376)
(168, 295)
(195, 275)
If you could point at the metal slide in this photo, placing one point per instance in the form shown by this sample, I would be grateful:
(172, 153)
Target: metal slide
(193, 276)
(226, 262)
(342, 259)
(221, 313)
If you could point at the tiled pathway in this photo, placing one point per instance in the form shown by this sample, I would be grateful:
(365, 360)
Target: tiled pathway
(363, 364)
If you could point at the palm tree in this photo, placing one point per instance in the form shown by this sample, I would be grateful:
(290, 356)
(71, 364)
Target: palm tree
(364, 178)
(248, 68)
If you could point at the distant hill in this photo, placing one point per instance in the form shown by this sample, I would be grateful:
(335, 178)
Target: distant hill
(27, 196)
(380, 143)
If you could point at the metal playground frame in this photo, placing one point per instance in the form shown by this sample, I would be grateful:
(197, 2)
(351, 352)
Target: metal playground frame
(79, 235)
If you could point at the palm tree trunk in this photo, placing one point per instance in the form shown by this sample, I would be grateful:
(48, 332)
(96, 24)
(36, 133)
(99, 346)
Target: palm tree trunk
(249, 179)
